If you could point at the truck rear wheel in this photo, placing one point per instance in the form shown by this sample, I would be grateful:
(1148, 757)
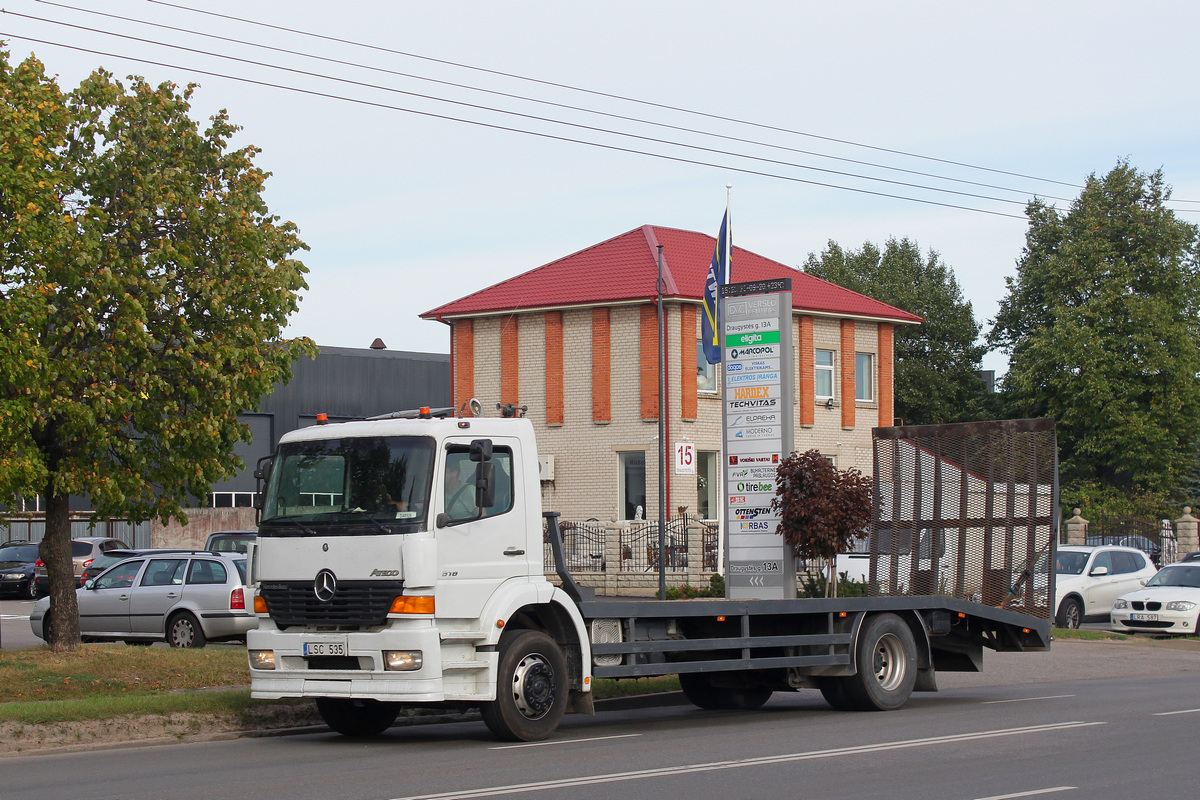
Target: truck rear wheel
(357, 717)
(886, 658)
(531, 688)
(701, 692)
(834, 692)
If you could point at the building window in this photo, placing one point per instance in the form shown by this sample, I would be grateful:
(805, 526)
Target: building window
(633, 484)
(706, 373)
(707, 506)
(864, 376)
(823, 377)
(231, 500)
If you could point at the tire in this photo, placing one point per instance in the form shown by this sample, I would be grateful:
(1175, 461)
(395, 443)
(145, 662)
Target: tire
(886, 658)
(531, 689)
(700, 691)
(1070, 614)
(183, 630)
(358, 718)
(834, 692)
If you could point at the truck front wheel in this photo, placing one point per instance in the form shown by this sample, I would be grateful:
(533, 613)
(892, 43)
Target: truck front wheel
(357, 717)
(886, 658)
(701, 692)
(531, 688)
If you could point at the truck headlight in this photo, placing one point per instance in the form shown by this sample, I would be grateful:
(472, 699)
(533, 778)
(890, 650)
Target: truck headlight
(402, 660)
(261, 659)
(1120, 604)
(1180, 605)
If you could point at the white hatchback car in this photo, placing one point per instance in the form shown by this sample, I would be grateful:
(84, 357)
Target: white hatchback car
(1088, 580)
(1168, 603)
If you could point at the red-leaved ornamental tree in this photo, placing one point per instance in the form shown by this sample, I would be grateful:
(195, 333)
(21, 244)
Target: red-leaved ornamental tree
(822, 509)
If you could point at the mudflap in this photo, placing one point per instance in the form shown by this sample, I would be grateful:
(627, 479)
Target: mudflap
(581, 703)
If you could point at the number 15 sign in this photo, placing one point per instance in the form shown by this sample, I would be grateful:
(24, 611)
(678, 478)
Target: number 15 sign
(685, 458)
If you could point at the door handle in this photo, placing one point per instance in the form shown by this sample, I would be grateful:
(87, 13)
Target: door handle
(512, 551)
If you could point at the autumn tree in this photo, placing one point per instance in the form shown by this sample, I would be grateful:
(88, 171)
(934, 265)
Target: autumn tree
(822, 509)
(145, 287)
(936, 378)
(1102, 327)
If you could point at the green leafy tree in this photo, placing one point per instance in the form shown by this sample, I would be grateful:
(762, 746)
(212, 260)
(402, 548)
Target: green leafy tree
(936, 378)
(145, 288)
(822, 509)
(1102, 326)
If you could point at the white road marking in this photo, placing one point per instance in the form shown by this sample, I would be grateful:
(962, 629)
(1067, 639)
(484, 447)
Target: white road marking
(1030, 793)
(564, 741)
(1027, 699)
(786, 758)
(1184, 711)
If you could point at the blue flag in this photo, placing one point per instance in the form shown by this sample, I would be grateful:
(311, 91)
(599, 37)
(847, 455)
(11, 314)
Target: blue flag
(718, 275)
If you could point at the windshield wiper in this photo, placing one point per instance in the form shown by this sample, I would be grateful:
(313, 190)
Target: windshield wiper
(292, 521)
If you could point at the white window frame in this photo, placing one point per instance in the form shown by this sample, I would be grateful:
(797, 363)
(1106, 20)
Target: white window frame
(819, 368)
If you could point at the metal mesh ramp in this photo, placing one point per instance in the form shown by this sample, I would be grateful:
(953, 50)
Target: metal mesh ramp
(967, 510)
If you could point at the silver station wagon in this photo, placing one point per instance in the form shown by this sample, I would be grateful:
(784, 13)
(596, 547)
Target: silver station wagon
(184, 599)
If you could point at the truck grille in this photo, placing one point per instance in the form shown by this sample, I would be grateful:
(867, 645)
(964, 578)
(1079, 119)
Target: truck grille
(356, 604)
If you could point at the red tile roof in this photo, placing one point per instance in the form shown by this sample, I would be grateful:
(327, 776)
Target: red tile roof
(624, 268)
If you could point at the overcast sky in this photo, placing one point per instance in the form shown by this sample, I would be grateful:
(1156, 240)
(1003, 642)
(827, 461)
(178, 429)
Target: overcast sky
(405, 211)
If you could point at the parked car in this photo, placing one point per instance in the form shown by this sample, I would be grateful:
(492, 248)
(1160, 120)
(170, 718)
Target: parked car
(230, 541)
(18, 561)
(83, 551)
(184, 598)
(1135, 540)
(1088, 580)
(106, 559)
(1168, 603)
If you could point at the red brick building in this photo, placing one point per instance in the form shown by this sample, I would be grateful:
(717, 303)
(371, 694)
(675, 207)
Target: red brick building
(576, 340)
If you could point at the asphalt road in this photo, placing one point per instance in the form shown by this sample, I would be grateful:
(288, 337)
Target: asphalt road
(14, 625)
(1086, 720)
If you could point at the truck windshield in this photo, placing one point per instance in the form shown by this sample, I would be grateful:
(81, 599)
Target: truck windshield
(380, 481)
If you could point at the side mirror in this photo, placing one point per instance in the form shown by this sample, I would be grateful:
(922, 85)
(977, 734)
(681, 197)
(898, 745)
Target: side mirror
(485, 483)
(262, 470)
(1099, 572)
(89, 584)
(481, 450)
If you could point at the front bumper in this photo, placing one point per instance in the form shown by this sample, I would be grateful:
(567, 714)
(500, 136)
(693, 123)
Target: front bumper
(1180, 623)
(360, 674)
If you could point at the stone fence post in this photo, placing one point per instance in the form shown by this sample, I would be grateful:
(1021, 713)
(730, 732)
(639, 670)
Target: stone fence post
(1186, 532)
(1077, 529)
(612, 555)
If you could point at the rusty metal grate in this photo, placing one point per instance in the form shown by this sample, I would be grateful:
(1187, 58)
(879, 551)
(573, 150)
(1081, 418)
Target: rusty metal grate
(967, 510)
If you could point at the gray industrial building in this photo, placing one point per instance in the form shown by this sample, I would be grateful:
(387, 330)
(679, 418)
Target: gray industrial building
(343, 383)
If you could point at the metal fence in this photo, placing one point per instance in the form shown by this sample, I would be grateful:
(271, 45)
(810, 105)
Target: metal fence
(33, 529)
(1144, 534)
(966, 510)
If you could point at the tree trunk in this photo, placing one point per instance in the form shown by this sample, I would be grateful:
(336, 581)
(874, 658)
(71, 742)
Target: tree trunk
(55, 551)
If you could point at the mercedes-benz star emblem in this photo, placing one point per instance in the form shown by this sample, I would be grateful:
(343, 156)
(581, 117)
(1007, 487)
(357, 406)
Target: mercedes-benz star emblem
(325, 586)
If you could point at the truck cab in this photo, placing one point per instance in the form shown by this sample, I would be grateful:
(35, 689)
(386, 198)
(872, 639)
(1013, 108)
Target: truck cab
(396, 562)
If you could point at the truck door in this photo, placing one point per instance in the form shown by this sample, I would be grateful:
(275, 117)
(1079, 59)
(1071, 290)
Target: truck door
(478, 548)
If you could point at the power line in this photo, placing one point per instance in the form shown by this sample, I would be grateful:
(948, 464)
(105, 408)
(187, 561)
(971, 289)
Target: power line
(532, 117)
(529, 99)
(603, 94)
(493, 126)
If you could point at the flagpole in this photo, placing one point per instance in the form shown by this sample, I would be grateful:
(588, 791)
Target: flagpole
(721, 337)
